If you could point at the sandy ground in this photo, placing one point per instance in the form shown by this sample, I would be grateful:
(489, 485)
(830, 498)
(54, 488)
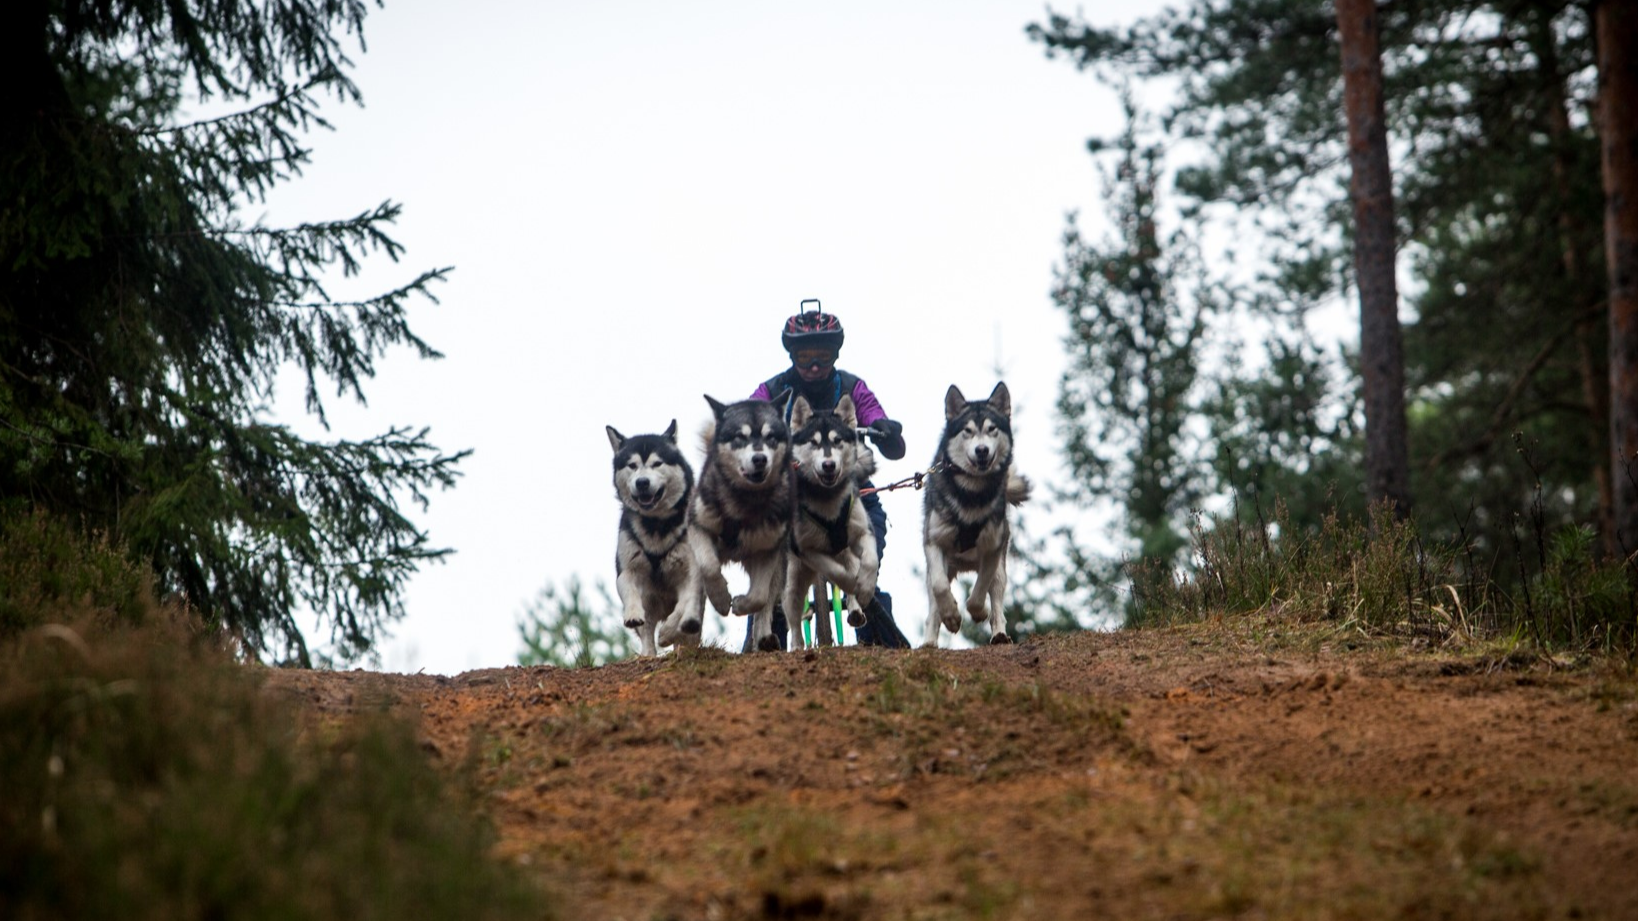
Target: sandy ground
(1252, 770)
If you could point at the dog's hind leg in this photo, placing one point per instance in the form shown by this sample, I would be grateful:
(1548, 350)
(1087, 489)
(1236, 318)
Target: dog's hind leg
(998, 611)
(762, 635)
(797, 578)
(990, 561)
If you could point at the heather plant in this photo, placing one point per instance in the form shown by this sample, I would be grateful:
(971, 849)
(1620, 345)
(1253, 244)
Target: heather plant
(147, 774)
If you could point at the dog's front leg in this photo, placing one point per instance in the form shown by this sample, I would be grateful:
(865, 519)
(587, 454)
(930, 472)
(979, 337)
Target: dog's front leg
(941, 605)
(687, 617)
(645, 639)
(767, 581)
(708, 563)
(869, 570)
(631, 597)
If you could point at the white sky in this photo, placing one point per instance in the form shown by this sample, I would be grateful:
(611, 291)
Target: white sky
(634, 197)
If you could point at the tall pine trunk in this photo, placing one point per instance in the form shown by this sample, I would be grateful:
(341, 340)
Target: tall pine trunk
(1594, 378)
(1381, 347)
(1616, 22)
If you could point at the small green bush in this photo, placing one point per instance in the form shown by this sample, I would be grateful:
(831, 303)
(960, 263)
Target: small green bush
(145, 774)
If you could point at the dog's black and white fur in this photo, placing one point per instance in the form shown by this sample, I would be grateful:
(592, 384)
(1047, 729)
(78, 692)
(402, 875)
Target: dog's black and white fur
(742, 511)
(831, 537)
(964, 515)
(653, 563)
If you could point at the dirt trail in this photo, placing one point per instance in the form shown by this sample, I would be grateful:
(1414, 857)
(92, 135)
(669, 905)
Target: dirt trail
(1212, 772)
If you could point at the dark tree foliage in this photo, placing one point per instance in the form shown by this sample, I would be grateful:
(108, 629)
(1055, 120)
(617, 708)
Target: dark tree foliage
(1497, 206)
(143, 321)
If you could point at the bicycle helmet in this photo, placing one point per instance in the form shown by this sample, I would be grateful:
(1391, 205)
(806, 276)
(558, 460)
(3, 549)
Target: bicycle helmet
(812, 329)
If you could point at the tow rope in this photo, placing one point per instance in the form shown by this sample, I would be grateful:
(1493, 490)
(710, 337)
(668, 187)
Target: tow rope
(918, 480)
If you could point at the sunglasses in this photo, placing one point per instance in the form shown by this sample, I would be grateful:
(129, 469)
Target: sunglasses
(813, 359)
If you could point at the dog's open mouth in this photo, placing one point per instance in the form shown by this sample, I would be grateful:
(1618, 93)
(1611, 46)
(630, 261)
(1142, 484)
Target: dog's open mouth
(828, 479)
(646, 500)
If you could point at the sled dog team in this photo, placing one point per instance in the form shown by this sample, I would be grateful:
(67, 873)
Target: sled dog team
(782, 500)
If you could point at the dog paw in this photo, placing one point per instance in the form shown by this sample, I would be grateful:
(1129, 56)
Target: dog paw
(855, 618)
(769, 643)
(690, 627)
(743, 606)
(977, 611)
(634, 622)
(999, 639)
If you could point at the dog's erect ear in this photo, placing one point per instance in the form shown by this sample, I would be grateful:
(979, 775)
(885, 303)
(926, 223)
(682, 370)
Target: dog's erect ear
(846, 411)
(716, 407)
(801, 412)
(954, 403)
(1000, 399)
(616, 439)
(671, 432)
(783, 401)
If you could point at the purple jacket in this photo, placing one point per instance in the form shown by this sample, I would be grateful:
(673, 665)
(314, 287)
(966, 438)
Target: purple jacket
(865, 404)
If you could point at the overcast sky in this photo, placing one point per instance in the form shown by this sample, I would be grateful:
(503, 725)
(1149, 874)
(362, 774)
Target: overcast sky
(634, 196)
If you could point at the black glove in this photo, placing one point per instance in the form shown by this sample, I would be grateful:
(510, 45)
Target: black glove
(885, 428)
(888, 438)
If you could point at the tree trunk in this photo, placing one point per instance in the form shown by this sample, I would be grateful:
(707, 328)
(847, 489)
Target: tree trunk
(1381, 347)
(1594, 379)
(1616, 24)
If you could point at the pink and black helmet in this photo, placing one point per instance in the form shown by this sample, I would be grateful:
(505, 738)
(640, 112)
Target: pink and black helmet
(812, 329)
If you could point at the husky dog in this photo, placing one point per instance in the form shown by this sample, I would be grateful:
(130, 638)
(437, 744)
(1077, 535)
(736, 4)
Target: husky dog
(742, 512)
(964, 516)
(831, 537)
(653, 562)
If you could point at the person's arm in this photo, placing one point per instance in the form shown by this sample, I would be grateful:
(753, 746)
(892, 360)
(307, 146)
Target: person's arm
(761, 392)
(889, 437)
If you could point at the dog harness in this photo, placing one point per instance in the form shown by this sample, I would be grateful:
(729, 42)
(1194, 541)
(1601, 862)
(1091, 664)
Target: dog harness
(967, 531)
(672, 525)
(835, 530)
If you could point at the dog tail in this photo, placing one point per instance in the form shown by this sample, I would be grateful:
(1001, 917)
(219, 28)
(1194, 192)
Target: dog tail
(708, 434)
(1018, 487)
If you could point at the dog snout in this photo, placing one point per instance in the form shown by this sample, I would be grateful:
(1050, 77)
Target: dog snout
(759, 461)
(828, 466)
(642, 485)
(981, 453)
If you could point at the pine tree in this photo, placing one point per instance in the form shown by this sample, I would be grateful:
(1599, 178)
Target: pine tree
(1137, 317)
(143, 321)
